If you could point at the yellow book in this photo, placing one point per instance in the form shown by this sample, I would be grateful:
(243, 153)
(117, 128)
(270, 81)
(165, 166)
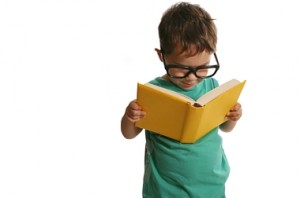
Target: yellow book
(179, 117)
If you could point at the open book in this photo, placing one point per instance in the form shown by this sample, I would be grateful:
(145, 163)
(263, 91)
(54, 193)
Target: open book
(179, 117)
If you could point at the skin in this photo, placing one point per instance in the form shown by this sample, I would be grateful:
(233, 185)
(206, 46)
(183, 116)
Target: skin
(134, 112)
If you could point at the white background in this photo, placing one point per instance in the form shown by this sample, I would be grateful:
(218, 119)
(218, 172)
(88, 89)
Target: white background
(69, 68)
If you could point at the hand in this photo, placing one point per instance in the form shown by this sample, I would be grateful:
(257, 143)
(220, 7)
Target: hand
(235, 113)
(134, 112)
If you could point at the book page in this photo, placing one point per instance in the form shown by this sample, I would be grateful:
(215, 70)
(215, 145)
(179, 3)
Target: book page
(217, 91)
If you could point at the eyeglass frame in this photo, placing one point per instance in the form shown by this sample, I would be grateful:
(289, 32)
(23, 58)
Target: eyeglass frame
(191, 69)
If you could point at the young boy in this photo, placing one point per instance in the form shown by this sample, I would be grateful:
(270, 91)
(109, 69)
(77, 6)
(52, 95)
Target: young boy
(188, 40)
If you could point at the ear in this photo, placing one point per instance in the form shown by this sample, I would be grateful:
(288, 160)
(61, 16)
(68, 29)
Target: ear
(158, 51)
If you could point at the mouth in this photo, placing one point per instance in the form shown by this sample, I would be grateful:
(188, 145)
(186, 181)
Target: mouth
(188, 85)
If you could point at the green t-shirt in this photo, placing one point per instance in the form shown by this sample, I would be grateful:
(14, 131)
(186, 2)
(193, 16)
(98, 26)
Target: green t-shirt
(177, 170)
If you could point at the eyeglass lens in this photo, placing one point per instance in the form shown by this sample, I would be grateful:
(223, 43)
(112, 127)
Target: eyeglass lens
(183, 72)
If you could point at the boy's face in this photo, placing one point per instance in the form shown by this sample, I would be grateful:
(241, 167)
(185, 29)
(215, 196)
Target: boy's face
(186, 59)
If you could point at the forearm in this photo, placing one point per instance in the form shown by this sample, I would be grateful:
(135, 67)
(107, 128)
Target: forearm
(228, 125)
(128, 128)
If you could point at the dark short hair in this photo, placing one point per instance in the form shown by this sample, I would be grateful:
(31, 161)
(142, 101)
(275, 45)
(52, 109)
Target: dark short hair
(184, 25)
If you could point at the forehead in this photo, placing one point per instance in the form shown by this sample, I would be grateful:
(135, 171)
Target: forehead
(192, 50)
(190, 55)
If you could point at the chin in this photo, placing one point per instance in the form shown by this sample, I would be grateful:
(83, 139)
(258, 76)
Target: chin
(187, 87)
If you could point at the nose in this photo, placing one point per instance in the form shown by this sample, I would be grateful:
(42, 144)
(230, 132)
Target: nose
(191, 76)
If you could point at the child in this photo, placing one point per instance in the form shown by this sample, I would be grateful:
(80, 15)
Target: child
(188, 43)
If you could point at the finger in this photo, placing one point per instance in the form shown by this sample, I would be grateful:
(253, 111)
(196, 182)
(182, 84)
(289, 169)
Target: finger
(237, 106)
(135, 106)
(135, 114)
(234, 116)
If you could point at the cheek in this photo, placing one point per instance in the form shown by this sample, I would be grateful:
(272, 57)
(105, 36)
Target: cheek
(175, 81)
(199, 80)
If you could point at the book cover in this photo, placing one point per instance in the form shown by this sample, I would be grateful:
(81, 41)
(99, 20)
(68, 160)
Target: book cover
(178, 117)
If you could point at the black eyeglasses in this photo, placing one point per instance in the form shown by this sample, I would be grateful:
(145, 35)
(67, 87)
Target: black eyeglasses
(182, 71)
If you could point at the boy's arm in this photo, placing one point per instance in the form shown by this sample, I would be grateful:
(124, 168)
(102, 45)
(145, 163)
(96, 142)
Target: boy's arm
(133, 113)
(233, 116)
(228, 126)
